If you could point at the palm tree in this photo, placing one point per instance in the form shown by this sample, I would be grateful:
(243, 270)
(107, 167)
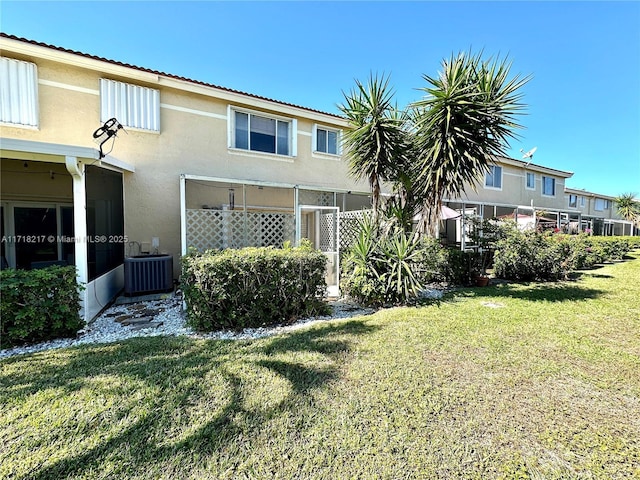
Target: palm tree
(628, 207)
(376, 143)
(464, 122)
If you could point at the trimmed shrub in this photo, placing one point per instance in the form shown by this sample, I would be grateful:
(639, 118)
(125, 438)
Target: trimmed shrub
(457, 267)
(610, 248)
(38, 305)
(633, 242)
(543, 256)
(252, 287)
(529, 255)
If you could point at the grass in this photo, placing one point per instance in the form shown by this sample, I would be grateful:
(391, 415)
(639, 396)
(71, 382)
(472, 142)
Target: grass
(510, 381)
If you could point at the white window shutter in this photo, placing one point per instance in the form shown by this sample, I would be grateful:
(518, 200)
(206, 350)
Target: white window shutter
(133, 106)
(18, 92)
(314, 138)
(294, 137)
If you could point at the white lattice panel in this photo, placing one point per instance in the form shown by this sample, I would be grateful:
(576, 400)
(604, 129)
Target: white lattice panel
(350, 227)
(314, 197)
(219, 229)
(274, 228)
(205, 229)
(328, 232)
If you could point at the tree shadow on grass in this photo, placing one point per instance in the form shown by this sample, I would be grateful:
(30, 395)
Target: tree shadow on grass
(588, 274)
(179, 368)
(547, 292)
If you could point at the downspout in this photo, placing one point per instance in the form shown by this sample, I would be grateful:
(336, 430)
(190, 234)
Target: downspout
(297, 216)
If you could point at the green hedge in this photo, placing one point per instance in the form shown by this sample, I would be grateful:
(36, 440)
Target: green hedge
(38, 305)
(543, 256)
(252, 287)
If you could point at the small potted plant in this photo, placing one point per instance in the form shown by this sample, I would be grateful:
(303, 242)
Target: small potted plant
(481, 278)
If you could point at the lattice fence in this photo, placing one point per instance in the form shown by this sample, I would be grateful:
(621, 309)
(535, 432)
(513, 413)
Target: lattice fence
(221, 229)
(328, 232)
(234, 229)
(349, 227)
(315, 197)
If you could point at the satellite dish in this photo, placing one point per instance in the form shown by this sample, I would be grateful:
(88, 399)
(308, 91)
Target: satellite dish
(529, 154)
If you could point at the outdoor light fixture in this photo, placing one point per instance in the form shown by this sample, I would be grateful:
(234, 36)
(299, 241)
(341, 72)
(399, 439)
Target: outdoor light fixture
(106, 132)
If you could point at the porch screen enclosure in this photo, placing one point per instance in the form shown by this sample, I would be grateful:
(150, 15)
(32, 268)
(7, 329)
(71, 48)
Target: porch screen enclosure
(226, 214)
(231, 215)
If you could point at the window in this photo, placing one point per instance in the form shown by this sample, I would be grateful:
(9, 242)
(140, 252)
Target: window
(573, 201)
(493, 178)
(601, 204)
(260, 133)
(326, 140)
(531, 181)
(131, 105)
(18, 92)
(582, 201)
(548, 186)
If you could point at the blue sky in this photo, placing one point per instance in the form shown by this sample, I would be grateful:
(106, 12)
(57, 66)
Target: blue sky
(584, 97)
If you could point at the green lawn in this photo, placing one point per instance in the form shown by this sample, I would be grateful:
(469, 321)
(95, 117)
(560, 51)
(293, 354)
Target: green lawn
(511, 381)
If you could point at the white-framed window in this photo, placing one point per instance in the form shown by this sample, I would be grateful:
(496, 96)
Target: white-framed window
(326, 140)
(493, 178)
(261, 132)
(548, 186)
(531, 181)
(18, 92)
(583, 201)
(601, 204)
(133, 106)
(573, 200)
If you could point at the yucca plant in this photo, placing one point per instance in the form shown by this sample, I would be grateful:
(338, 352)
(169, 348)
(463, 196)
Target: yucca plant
(375, 142)
(628, 207)
(383, 266)
(400, 254)
(465, 120)
(360, 278)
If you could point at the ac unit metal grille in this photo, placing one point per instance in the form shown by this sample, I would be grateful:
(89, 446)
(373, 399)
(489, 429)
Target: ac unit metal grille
(148, 274)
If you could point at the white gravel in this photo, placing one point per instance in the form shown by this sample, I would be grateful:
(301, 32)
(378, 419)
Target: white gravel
(105, 328)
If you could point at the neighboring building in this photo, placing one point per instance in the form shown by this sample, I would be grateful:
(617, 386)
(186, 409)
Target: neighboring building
(535, 195)
(200, 165)
(597, 212)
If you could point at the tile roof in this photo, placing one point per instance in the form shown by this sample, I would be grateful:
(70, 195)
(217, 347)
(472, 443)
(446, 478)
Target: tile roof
(164, 74)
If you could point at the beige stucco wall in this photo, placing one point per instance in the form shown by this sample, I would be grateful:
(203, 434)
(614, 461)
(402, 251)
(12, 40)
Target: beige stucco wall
(514, 191)
(589, 208)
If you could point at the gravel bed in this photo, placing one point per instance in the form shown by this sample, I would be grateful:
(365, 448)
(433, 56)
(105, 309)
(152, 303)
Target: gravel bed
(106, 328)
(167, 318)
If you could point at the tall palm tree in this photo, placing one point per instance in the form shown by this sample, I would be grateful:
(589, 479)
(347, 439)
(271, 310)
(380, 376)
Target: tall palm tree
(375, 142)
(463, 123)
(628, 207)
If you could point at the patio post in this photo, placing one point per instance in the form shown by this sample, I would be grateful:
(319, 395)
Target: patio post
(76, 169)
(183, 215)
